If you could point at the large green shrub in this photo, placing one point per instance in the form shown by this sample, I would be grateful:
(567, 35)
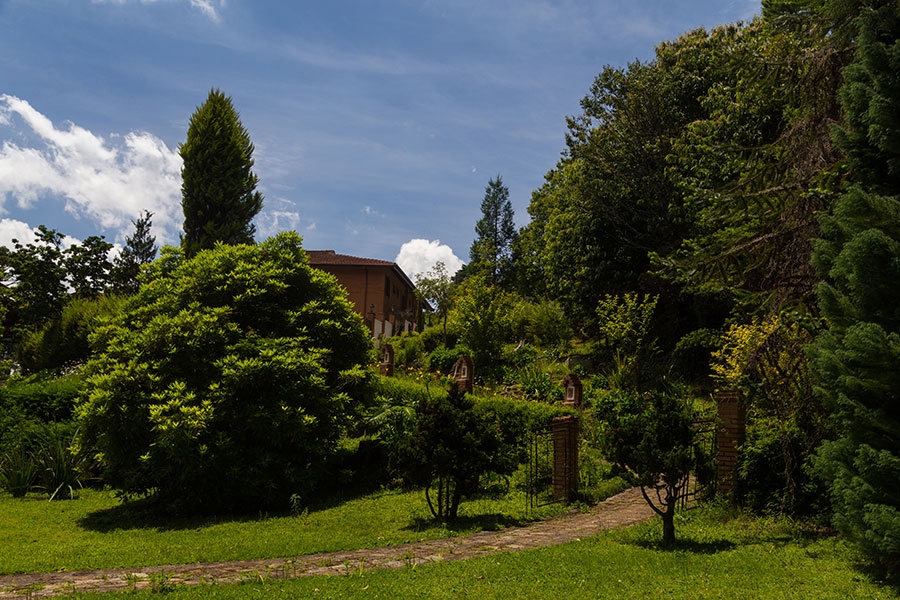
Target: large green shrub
(224, 383)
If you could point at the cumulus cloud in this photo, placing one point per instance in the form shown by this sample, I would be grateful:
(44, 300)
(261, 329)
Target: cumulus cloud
(109, 181)
(12, 229)
(419, 256)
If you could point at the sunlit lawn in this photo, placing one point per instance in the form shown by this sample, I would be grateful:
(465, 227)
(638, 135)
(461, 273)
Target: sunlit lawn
(716, 558)
(98, 531)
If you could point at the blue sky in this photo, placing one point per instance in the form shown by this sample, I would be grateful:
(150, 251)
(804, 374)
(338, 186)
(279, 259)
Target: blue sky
(376, 124)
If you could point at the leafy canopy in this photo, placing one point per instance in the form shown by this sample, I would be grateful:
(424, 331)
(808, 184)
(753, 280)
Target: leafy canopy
(223, 383)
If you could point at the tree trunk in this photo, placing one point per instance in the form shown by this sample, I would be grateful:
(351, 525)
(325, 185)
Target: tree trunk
(668, 520)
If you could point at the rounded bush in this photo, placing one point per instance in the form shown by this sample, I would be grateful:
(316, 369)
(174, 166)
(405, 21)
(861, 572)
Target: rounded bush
(225, 382)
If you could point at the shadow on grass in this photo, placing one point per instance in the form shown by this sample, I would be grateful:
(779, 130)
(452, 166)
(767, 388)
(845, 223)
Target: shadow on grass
(152, 513)
(468, 523)
(688, 545)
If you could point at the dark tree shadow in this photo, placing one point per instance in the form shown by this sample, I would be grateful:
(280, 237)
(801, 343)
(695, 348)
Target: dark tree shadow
(486, 522)
(687, 545)
(148, 513)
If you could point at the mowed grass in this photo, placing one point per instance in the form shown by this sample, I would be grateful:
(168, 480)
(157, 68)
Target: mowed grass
(716, 558)
(97, 531)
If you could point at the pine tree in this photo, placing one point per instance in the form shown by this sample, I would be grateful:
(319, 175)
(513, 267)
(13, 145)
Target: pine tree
(491, 252)
(140, 248)
(856, 359)
(218, 186)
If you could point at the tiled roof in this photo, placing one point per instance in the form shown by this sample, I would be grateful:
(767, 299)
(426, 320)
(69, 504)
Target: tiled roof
(320, 258)
(330, 257)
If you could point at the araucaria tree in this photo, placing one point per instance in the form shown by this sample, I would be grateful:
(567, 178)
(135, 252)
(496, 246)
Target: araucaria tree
(224, 382)
(218, 188)
(491, 252)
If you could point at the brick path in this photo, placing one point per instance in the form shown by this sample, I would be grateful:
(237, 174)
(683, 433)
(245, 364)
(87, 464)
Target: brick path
(621, 510)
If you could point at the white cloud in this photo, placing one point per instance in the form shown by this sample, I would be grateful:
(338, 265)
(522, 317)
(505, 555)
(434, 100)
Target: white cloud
(419, 256)
(11, 229)
(207, 7)
(107, 181)
(271, 222)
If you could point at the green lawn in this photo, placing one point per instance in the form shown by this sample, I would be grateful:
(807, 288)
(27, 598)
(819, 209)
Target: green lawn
(736, 558)
(719, 555)
(97, 531)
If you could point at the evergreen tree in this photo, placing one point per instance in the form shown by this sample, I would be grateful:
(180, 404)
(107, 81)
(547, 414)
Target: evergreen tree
(856, 358)
(491, 252)
(218, 187)
(140, 248)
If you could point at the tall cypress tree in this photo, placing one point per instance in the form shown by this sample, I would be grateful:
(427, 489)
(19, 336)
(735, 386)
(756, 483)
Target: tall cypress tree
(219, 196)
(857, 359)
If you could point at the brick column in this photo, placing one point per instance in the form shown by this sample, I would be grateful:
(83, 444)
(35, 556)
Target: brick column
(565, 458)
(732, 433)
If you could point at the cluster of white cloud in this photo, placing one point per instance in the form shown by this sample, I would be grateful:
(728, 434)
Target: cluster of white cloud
(207, 7)
(107, 181)
(418, 256)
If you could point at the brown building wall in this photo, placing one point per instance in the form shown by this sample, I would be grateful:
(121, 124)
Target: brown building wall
(367, 286)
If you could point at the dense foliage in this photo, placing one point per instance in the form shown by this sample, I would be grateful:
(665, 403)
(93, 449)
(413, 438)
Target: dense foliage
(448, 442)
(224, 383)
(855, 359)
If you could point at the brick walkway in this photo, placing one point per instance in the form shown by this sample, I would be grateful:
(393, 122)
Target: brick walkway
(621, 510)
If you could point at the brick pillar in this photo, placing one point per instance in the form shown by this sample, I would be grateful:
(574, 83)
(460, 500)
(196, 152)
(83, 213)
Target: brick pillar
(565, 458)
(732, 433)
(387, 360)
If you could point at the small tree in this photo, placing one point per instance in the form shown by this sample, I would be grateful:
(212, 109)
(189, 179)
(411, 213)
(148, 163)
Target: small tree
(652, 439)
(219, 196)
(482, 314)
(455, 444)
(87, 266)
(437, 287)
(35, 274)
